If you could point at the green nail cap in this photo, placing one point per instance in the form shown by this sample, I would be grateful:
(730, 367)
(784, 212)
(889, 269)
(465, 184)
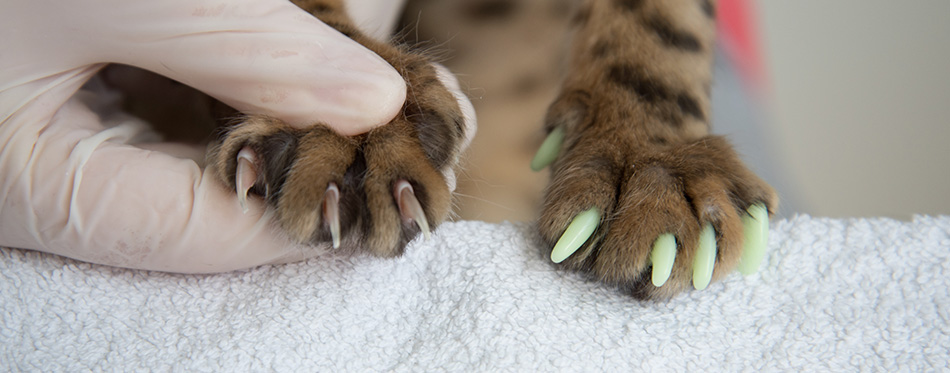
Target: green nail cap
(705, 258)
(547, 153)
(756, 225)
(662, 257)
(576, 234)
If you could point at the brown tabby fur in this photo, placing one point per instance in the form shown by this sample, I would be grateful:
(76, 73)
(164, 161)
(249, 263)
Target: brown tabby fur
(635, 107)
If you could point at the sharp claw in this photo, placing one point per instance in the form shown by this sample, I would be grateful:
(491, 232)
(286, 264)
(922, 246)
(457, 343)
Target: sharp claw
(705, 258)
(245, 175)
(549, 149)
(580, 229)
(331, 212)
(409, 207)
(663, 256)
(756, 224)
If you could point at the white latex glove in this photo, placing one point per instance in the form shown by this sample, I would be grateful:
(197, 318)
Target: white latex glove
(69, 182)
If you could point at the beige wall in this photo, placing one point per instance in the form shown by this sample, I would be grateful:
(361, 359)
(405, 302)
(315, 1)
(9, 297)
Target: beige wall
(861, 108)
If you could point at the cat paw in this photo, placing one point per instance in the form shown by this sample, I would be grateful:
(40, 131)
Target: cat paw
(373, 192)
(651, 217)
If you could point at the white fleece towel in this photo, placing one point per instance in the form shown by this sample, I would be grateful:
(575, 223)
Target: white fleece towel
(832, 295)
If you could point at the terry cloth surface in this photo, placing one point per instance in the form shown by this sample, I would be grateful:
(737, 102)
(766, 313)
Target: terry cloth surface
(832, 295)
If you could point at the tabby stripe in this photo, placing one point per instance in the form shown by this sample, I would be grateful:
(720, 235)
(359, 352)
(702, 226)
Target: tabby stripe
(629, 5)
(427, 81)
(690, 106)
(600, 49)
(320, 9)
(672, 37)
(434, 132)
(709, 9)
(581, 16)
(635, 79)
(659, 140)
(489, 9)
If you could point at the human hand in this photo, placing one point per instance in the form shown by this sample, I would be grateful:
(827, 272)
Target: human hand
(71, 184)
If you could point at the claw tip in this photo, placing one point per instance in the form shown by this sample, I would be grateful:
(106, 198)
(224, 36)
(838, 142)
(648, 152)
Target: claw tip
(245, 176)
(662, 257)
(705, 259)
(580, 229)
(410, 208)
(548, 151)
(331, 213)
(756, 227)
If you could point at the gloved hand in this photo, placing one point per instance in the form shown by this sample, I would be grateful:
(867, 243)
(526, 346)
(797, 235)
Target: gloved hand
(72, 184)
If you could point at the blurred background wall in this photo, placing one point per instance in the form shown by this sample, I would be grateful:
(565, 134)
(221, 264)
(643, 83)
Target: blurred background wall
(857, 122)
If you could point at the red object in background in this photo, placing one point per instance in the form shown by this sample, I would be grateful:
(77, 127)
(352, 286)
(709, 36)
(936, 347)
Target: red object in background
(739, 38)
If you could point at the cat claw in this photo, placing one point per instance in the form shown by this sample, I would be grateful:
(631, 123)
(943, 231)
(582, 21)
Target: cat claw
(662, 257)
(549, 150)
(331, 212)
(245, 175)
(580, 229)
(409, 207)
(756, 226)
(705, 258)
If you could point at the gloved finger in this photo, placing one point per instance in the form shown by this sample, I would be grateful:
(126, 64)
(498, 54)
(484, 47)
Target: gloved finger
(266, 57)
(80, 192)
(258, 56)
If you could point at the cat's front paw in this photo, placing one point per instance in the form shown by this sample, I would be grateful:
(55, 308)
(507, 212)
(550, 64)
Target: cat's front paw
(373, 192)
(660, 217)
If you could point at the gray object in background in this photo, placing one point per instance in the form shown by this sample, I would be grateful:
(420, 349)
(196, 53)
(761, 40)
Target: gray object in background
(861, 115)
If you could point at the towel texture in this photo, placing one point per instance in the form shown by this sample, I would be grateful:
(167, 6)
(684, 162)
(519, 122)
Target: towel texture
(832, 295)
